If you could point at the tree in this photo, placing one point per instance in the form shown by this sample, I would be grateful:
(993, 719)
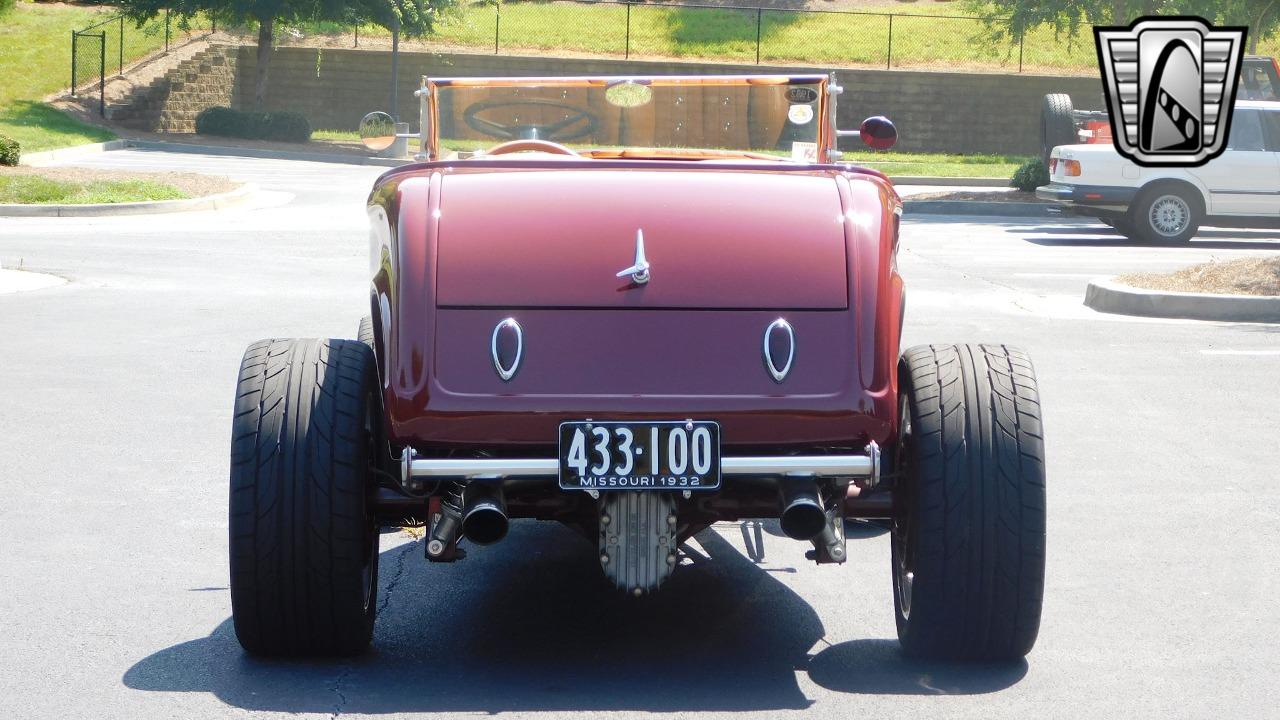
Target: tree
(413, 18)
(1011, 18)
(1262, 17)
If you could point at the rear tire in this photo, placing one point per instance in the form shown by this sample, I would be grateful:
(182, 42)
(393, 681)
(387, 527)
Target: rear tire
(1057, 126)
(968, 541)
(1125, 227)
(304, 545)
(365, 333)
(1166, 215)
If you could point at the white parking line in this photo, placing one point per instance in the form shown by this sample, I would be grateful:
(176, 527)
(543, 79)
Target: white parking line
(1054, 275)
(1240, 352)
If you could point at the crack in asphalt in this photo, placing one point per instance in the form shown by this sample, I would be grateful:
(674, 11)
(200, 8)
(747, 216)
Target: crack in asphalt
(348, 668)
(394, 582)
(336, 689)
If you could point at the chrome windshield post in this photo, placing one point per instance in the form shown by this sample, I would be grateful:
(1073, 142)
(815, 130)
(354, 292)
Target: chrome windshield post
(424, 121)
(833, 91)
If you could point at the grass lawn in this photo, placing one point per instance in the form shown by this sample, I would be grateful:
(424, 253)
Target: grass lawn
(938, 164)
(36, 190)
(924, 35)
(35, 61)
(37, 126)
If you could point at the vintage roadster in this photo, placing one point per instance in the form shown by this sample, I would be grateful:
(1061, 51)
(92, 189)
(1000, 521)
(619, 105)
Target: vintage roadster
(636, 306)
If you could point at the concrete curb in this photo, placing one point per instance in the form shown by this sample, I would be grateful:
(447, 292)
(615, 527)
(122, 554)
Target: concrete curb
(39, 159)
(15, 281)
(977, 207)
(221, 201)
(956, 181)
(1112, 297)
(263, 154)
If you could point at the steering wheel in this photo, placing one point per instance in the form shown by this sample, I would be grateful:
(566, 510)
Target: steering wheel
(576, 123)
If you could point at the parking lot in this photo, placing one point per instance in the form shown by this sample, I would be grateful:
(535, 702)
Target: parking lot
(116, 392)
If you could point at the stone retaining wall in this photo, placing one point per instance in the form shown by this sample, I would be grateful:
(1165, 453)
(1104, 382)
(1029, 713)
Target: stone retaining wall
(934, 111)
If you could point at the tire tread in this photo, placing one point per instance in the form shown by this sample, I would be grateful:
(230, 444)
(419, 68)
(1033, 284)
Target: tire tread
(298, 529)
(979, 490)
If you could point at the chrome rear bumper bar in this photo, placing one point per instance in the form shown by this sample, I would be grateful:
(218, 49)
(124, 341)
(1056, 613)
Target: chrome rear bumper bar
(818, 466)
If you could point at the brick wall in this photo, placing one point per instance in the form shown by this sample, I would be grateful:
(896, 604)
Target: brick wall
(934, 111)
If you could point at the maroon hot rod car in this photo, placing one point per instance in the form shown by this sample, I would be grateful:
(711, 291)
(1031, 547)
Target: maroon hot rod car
(637, 306)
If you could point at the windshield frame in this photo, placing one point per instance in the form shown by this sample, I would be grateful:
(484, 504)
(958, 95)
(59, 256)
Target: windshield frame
(429, 89)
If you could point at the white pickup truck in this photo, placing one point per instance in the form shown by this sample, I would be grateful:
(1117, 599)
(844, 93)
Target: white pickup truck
(1239, 188)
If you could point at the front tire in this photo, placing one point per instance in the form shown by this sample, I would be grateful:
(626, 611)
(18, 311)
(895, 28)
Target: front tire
(968, 540)
(304, 545)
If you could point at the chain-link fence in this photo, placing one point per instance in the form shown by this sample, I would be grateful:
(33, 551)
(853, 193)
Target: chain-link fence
(106, 48)
(88, 64)
(727, 33)
(765, 35)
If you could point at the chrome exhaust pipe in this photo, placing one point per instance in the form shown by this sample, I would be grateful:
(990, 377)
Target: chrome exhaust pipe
(803, 517)
(484, 517)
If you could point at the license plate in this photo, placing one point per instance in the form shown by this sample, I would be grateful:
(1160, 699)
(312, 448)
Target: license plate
(675, 455)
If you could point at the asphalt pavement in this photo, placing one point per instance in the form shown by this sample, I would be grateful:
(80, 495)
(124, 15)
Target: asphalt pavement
(116, 388)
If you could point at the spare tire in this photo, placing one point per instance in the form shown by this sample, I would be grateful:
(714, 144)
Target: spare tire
(1057, 126)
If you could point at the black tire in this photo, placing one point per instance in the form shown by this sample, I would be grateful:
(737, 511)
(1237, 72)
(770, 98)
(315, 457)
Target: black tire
(968, 539)
(365, 333)
(304, 546)
(1125, 227)
(1057, 126)
(1120, 224)
(1166, 214)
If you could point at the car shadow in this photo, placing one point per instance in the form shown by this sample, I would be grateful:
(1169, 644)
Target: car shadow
(533, 626)
(1101, 236)
(878, 667)
(1115, 241)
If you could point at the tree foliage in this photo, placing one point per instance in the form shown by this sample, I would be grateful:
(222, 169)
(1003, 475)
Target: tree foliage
(1261, 16)
(413, 18)
(1069, 18)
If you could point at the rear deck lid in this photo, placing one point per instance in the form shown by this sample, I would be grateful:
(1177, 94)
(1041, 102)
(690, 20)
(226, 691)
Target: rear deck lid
(713, 239)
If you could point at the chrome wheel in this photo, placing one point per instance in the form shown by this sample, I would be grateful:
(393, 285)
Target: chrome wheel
(369, 568)
(1169, 215)
(901, 540)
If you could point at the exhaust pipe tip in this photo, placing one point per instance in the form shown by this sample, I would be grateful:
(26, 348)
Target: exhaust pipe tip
(803, 517)
(485, 522)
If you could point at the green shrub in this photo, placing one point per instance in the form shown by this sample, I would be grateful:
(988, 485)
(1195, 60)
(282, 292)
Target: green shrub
(251, 125)
(6, 6)
(1030, 176)
(9, 151)
(288, 126)
(221, 121)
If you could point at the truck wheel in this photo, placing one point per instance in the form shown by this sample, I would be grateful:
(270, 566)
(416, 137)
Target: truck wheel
(304, 545)
(1166, 214)
(1057, 126)
(968, 540)
(365, 333)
